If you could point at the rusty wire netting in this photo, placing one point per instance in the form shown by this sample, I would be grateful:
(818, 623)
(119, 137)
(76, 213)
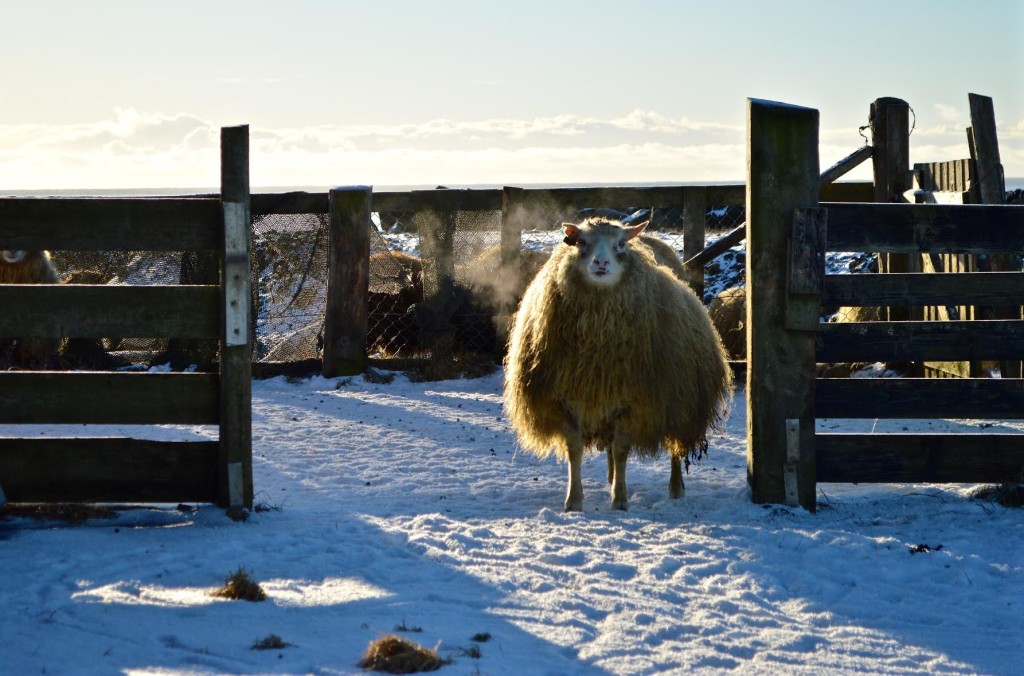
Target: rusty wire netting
(417, 294)
(289, 260)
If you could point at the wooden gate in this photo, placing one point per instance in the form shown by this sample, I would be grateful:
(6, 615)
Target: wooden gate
(35, 468)
(788, 236)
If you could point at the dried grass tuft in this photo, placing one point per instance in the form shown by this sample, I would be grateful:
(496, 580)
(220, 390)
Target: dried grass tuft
(241, 587)
(1007, 495)
(395, 655)
(271, 642)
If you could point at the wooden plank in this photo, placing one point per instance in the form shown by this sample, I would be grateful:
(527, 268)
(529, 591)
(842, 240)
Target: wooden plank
(101, 397)
(919, 458)
(985, 149)
(890, 137)
(438, 200)
(725, 195)
(234, 457)
(110, 224)
(782, 175)
(847, 191)
(954, 288)
(806, 269)
(73, 310)
(846, 165)
(108, 470)
(348, 281)
(920, 341)
(915, 228)
(298, 202)
(615, 197)
(986, 398)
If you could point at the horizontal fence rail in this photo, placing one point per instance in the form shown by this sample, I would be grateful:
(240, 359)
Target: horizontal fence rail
(895, 398)
(83, 310)
(77, 397)
(111, 224)
(84, 469)
(972, 288)
(920, 341)
(924, 458)
(917, 228)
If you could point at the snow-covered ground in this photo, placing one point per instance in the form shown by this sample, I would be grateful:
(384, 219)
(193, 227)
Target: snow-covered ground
(406, 505)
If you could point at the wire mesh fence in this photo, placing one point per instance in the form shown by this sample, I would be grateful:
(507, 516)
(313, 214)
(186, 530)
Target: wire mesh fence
(435, 280)
(289, 261)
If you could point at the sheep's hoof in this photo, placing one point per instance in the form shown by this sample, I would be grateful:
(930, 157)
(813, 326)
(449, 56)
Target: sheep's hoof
(622, 504)
(574, 505)
(676, 492)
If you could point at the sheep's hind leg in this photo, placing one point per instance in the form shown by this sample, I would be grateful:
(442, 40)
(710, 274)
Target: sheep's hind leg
(675, 481)
(611, 465)
(574, 498)
(619, 453)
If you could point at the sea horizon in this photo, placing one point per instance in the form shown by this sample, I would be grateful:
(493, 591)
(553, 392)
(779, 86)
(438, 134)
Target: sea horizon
(1012, 183)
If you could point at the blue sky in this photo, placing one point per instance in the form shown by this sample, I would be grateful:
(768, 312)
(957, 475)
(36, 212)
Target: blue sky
(113, 94)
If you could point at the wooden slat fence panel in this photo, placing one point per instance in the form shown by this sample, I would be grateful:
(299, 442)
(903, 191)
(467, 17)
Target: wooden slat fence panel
(82, 310)
(108, 470)
(122, 469)
(919, 341)
(896, 398)
(111, 224)
(968, 288)
(79, 397)
(924, 458)
(916, 228)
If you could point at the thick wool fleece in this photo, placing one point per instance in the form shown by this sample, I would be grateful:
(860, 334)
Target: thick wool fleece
(36, 268)
(641, 355)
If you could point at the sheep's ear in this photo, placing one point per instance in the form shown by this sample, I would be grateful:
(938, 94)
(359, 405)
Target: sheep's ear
(572, 233)
(635, 230)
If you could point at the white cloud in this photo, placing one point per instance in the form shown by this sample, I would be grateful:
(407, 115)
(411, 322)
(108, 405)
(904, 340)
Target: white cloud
(137, 150)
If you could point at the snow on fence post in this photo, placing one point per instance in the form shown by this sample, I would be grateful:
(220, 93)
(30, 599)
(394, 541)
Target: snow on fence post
(782, 176)
(348, 281)
(234, 469)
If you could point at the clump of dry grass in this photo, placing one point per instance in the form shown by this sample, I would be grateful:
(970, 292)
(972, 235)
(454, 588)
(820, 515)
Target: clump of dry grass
(396, 655)
(1007, 495)
(240, 586)
(270, 642)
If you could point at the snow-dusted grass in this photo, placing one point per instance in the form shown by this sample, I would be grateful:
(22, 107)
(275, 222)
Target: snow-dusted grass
(405, 506)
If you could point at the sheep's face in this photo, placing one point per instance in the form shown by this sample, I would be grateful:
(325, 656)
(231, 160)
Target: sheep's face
(601, 249)
(12, 257)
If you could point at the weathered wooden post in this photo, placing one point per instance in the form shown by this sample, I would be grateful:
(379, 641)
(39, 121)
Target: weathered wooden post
(890, 136)
(694, 221)
(235, 489)
(348, 281)
(984, 147)
(782, 176)
(513, 213)
(437, 246)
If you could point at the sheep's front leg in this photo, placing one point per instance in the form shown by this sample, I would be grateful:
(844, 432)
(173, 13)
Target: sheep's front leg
(675, 480)
(619, 453)
(574, 498)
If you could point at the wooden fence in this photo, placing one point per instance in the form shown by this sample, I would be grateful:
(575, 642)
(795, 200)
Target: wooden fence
(77, 468)
(349, 224)
(789, 233)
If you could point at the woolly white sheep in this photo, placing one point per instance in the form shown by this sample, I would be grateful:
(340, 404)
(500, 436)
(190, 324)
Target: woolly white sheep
(610, 350)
